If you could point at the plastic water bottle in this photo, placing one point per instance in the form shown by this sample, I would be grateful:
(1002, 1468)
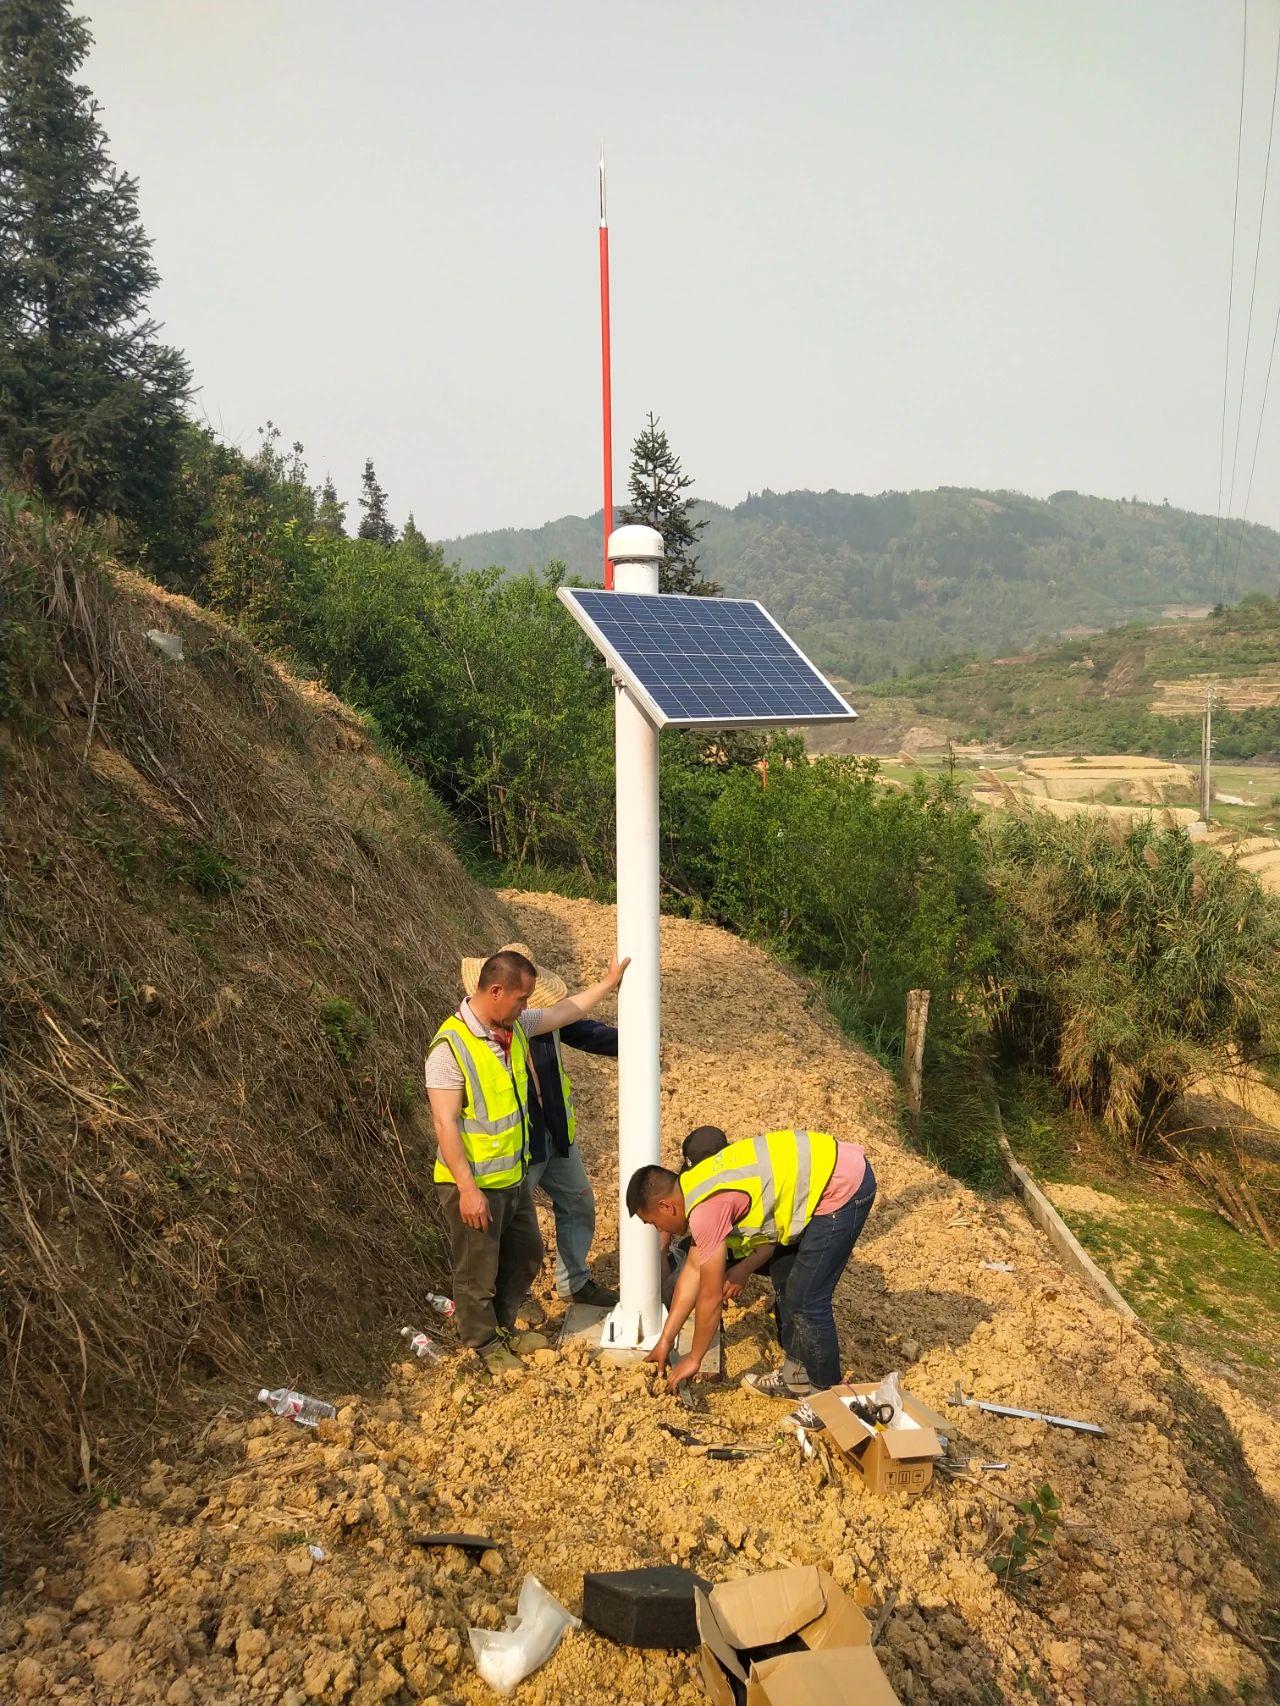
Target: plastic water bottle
(422, 1345)
(282, 1401)
(441, 1305)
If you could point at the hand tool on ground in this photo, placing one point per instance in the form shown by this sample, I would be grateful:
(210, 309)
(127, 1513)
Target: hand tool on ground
(720, 1453)
(464, 1542)
(958, 1397)
(965, 1470)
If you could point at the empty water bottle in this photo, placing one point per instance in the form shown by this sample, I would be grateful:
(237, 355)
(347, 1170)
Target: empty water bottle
(422, 1345)
(282, 1401)
(441, 1305)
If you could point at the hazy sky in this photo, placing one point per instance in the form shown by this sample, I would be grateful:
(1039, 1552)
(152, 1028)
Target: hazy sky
(871, 245)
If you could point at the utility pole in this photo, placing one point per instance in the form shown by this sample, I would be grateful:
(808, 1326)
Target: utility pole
(1206, 753)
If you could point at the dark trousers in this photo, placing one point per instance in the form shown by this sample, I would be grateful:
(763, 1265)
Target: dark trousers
(804, 1276)
(493, 1269)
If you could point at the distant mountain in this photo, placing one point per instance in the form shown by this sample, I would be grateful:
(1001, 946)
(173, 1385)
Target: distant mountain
(1133, 689)
(877, 585)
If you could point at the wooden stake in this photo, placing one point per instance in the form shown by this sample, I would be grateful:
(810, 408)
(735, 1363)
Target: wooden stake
(913, 1051)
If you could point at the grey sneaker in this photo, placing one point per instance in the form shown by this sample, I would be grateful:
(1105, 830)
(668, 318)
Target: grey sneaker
(772, 1385)
(596, 1296)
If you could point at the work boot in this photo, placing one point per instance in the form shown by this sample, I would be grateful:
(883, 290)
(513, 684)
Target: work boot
(595, 1296)
(774, 1385)
(498, 1359)
(517, 1340)
(531, 1312)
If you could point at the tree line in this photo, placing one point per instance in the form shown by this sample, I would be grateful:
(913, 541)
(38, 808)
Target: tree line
(1122, 965)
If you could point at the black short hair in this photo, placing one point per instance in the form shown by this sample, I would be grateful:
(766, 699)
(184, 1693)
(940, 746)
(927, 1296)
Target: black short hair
(506, 968)
(648, 1185)
(703, 1141)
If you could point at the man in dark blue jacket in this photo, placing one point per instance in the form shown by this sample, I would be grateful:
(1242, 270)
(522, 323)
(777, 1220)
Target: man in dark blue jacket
(555, 1161)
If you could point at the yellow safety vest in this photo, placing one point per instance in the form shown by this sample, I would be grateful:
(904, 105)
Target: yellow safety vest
(495, 1102)
(784, 1173)
(566, 1090)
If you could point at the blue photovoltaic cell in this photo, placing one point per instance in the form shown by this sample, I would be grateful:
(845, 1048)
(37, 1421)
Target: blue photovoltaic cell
(713, 661)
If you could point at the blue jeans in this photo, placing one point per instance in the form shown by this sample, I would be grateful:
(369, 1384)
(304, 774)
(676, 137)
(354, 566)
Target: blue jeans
(804, 1276)
(565, 1181)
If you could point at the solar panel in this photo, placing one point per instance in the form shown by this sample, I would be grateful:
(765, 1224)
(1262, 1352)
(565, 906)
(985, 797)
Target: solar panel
(705, 662)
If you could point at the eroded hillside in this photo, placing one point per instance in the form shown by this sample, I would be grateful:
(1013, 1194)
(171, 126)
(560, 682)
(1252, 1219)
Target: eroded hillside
(230, 925)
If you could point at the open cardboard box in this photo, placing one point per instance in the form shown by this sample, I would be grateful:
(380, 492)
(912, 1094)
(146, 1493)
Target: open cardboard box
(836, 1666)
(890, 1460)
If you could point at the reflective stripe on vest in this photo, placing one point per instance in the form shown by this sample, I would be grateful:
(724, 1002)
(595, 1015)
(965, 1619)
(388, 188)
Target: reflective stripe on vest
(783, 1173)
(494, 1122)
(566, 1089)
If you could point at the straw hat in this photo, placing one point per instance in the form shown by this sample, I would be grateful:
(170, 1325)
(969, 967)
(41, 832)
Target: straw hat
(546, 991)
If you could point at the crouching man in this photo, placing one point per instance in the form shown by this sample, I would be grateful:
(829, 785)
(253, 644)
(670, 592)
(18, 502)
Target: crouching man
(794, 1202)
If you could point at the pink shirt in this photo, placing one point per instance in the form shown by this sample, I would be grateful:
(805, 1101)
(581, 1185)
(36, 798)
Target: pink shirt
(713, 1220)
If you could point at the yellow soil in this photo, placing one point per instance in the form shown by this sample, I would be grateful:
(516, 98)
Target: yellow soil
(185, 1593)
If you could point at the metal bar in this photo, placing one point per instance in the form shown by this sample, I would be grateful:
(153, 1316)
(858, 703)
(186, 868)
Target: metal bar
(606, 378)
(958, 1397)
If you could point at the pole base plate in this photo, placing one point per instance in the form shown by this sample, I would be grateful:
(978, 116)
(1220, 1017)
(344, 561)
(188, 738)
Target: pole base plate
(584, 1325)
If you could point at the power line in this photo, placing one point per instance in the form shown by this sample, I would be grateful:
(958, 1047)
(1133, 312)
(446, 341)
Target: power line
(1231, 286)
(1253, 288)
(1257, 440)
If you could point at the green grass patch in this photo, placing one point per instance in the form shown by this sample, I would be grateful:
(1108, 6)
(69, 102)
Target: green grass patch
(347, 1028)
(1195, 1282)
(958, 1123)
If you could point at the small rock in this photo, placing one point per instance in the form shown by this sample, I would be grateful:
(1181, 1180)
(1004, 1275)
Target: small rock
(1228, 1616)
(29, 1678)
(180, 1693)
(115, 1664)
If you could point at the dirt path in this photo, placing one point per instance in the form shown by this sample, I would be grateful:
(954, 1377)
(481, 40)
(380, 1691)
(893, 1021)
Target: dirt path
(202, 1590)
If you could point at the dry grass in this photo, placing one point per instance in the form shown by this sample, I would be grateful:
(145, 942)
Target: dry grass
(231, 927)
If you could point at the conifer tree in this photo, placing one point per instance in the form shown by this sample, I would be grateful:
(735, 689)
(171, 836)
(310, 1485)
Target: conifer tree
(331, 512)
(657, 486)
(90, 399)
(416, 540)
(375, 523)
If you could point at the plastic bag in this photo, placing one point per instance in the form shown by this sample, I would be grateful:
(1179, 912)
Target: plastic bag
(887, 1393)
(504, 1657)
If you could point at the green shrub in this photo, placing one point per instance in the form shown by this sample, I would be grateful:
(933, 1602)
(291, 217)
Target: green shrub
(347, 1028)
(1133, 966)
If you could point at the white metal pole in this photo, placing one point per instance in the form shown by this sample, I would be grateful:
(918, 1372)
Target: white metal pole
(636, 553)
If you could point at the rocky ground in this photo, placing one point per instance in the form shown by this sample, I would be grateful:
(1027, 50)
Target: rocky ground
(201, 1586)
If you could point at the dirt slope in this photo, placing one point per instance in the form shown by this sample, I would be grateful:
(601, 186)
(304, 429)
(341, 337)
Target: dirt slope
(229, 924)
(201, 1587)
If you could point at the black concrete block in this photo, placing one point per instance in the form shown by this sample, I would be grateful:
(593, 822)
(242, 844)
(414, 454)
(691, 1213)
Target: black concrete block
(643, 1608)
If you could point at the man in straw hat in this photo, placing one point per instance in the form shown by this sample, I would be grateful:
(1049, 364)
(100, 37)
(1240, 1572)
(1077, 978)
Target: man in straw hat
(555, 1161)
(478, 1077)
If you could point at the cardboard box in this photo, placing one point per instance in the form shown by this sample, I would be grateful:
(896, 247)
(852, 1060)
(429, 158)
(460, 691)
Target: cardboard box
(835, 1666)
(890, 1460)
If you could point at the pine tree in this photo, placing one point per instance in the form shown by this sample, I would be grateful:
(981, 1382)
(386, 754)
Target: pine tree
(331, 512)
(375, 523)
(90, 399)
(416, 541)
(657, 486)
